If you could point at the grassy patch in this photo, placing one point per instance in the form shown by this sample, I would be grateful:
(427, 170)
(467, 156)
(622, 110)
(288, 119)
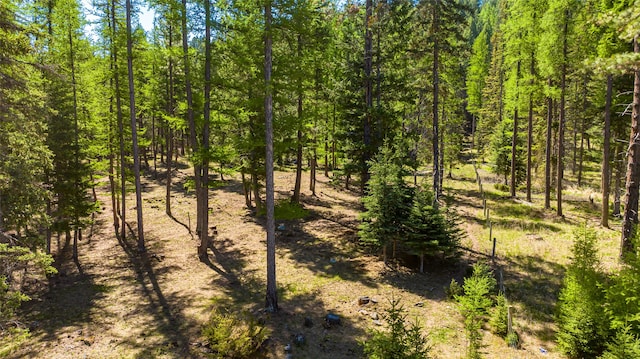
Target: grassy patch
(11, 340)
(287, 211)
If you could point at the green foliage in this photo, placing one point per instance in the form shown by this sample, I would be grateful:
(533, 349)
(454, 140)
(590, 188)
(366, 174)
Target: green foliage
(513, 340)
(624, 345)
(499, 317)
(501, 142)
(454, 290)
(388, 199)
(400, 341)
(474, 305)
(286, 210)
(582, 324)
(623, 295)
(234, 335)
(430, 229)
(18, 259)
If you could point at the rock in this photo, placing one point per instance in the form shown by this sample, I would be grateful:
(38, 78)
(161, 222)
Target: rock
(287, 348)
(308, 322)
(299, 339)
(377, 322)
(363, 312)
(332, 319)
(281, 227)
(363, 300)
(332, 260)
(374, 301)
(374, 316)
(420, 304)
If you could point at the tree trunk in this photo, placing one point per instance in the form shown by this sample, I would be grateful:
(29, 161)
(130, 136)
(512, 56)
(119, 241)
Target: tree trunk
(368, 93)
(619, 167)
(295, 198)
(548, 149)
(123, 173)
(561, 123)
(606, 154)
(134, 132)
(532, 70)
(582, 124)
(204, 184)
(191, 120)
(271, 302)
(436, 82)
(169, 134)
(630, 215)
(514, 139)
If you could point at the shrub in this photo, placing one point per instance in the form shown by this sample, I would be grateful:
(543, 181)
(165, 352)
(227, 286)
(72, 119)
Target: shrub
(430, 229)
(499, 317)
(474, 305)
(388, 199)
(234, 335)
(624, 346)
(14, 259)
(582, 323)
(401, 341)
(453, 290)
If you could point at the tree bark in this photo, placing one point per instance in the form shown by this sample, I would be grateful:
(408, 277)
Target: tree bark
(368, 92)
(191, 121)
(169, 134)
(134, 132)
(630, 215)
(514, 139)
(532, 69)
(204, 182)
(123, 173)
(548, 149)
(436, 83)
(606, 155)
(271, 302)
(296, 189)
(561, 123)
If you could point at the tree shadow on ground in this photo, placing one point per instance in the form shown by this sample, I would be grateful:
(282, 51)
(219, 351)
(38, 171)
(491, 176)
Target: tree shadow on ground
(299, 313)
(165, 308)
(534, 283)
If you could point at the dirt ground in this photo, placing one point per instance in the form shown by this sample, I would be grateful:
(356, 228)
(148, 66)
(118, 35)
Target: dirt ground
(116, 303)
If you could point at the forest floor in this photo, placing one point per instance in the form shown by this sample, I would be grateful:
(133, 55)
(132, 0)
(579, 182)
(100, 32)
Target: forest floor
(117, 303)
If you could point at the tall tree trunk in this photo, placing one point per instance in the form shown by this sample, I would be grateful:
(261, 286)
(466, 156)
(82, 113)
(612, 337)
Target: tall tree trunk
(123, 172)
(529, 146)
(169, 135)
(436, 83)
(112, 169)
(606, 154)
(76, 145)
(204, 184)
(548, 149)
(368, 92)
(296, 189)
(134, 132)
(271, 302)
(514, 139)
(630, 215)
(619, 168)
(582, 125)
(191, 120)
(561, 123)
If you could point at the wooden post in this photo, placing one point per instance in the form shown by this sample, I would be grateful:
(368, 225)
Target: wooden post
(509, 320)
(488, 218)
(490, 230)
(501, 282)
(493, 252)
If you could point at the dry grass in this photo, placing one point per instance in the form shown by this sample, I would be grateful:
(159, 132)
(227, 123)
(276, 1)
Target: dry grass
(120, 304)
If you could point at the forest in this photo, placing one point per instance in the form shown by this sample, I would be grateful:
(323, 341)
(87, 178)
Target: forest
(319, 179)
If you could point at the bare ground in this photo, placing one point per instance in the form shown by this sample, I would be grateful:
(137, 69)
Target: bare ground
(117, 303)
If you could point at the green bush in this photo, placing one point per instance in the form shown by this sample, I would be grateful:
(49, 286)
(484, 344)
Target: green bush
(234, 335)
(582, 323)
(12, 259)
(453, 290)
(400, 341)
(499, 317)
(625, 345)
(474, 305)
(513, 340)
